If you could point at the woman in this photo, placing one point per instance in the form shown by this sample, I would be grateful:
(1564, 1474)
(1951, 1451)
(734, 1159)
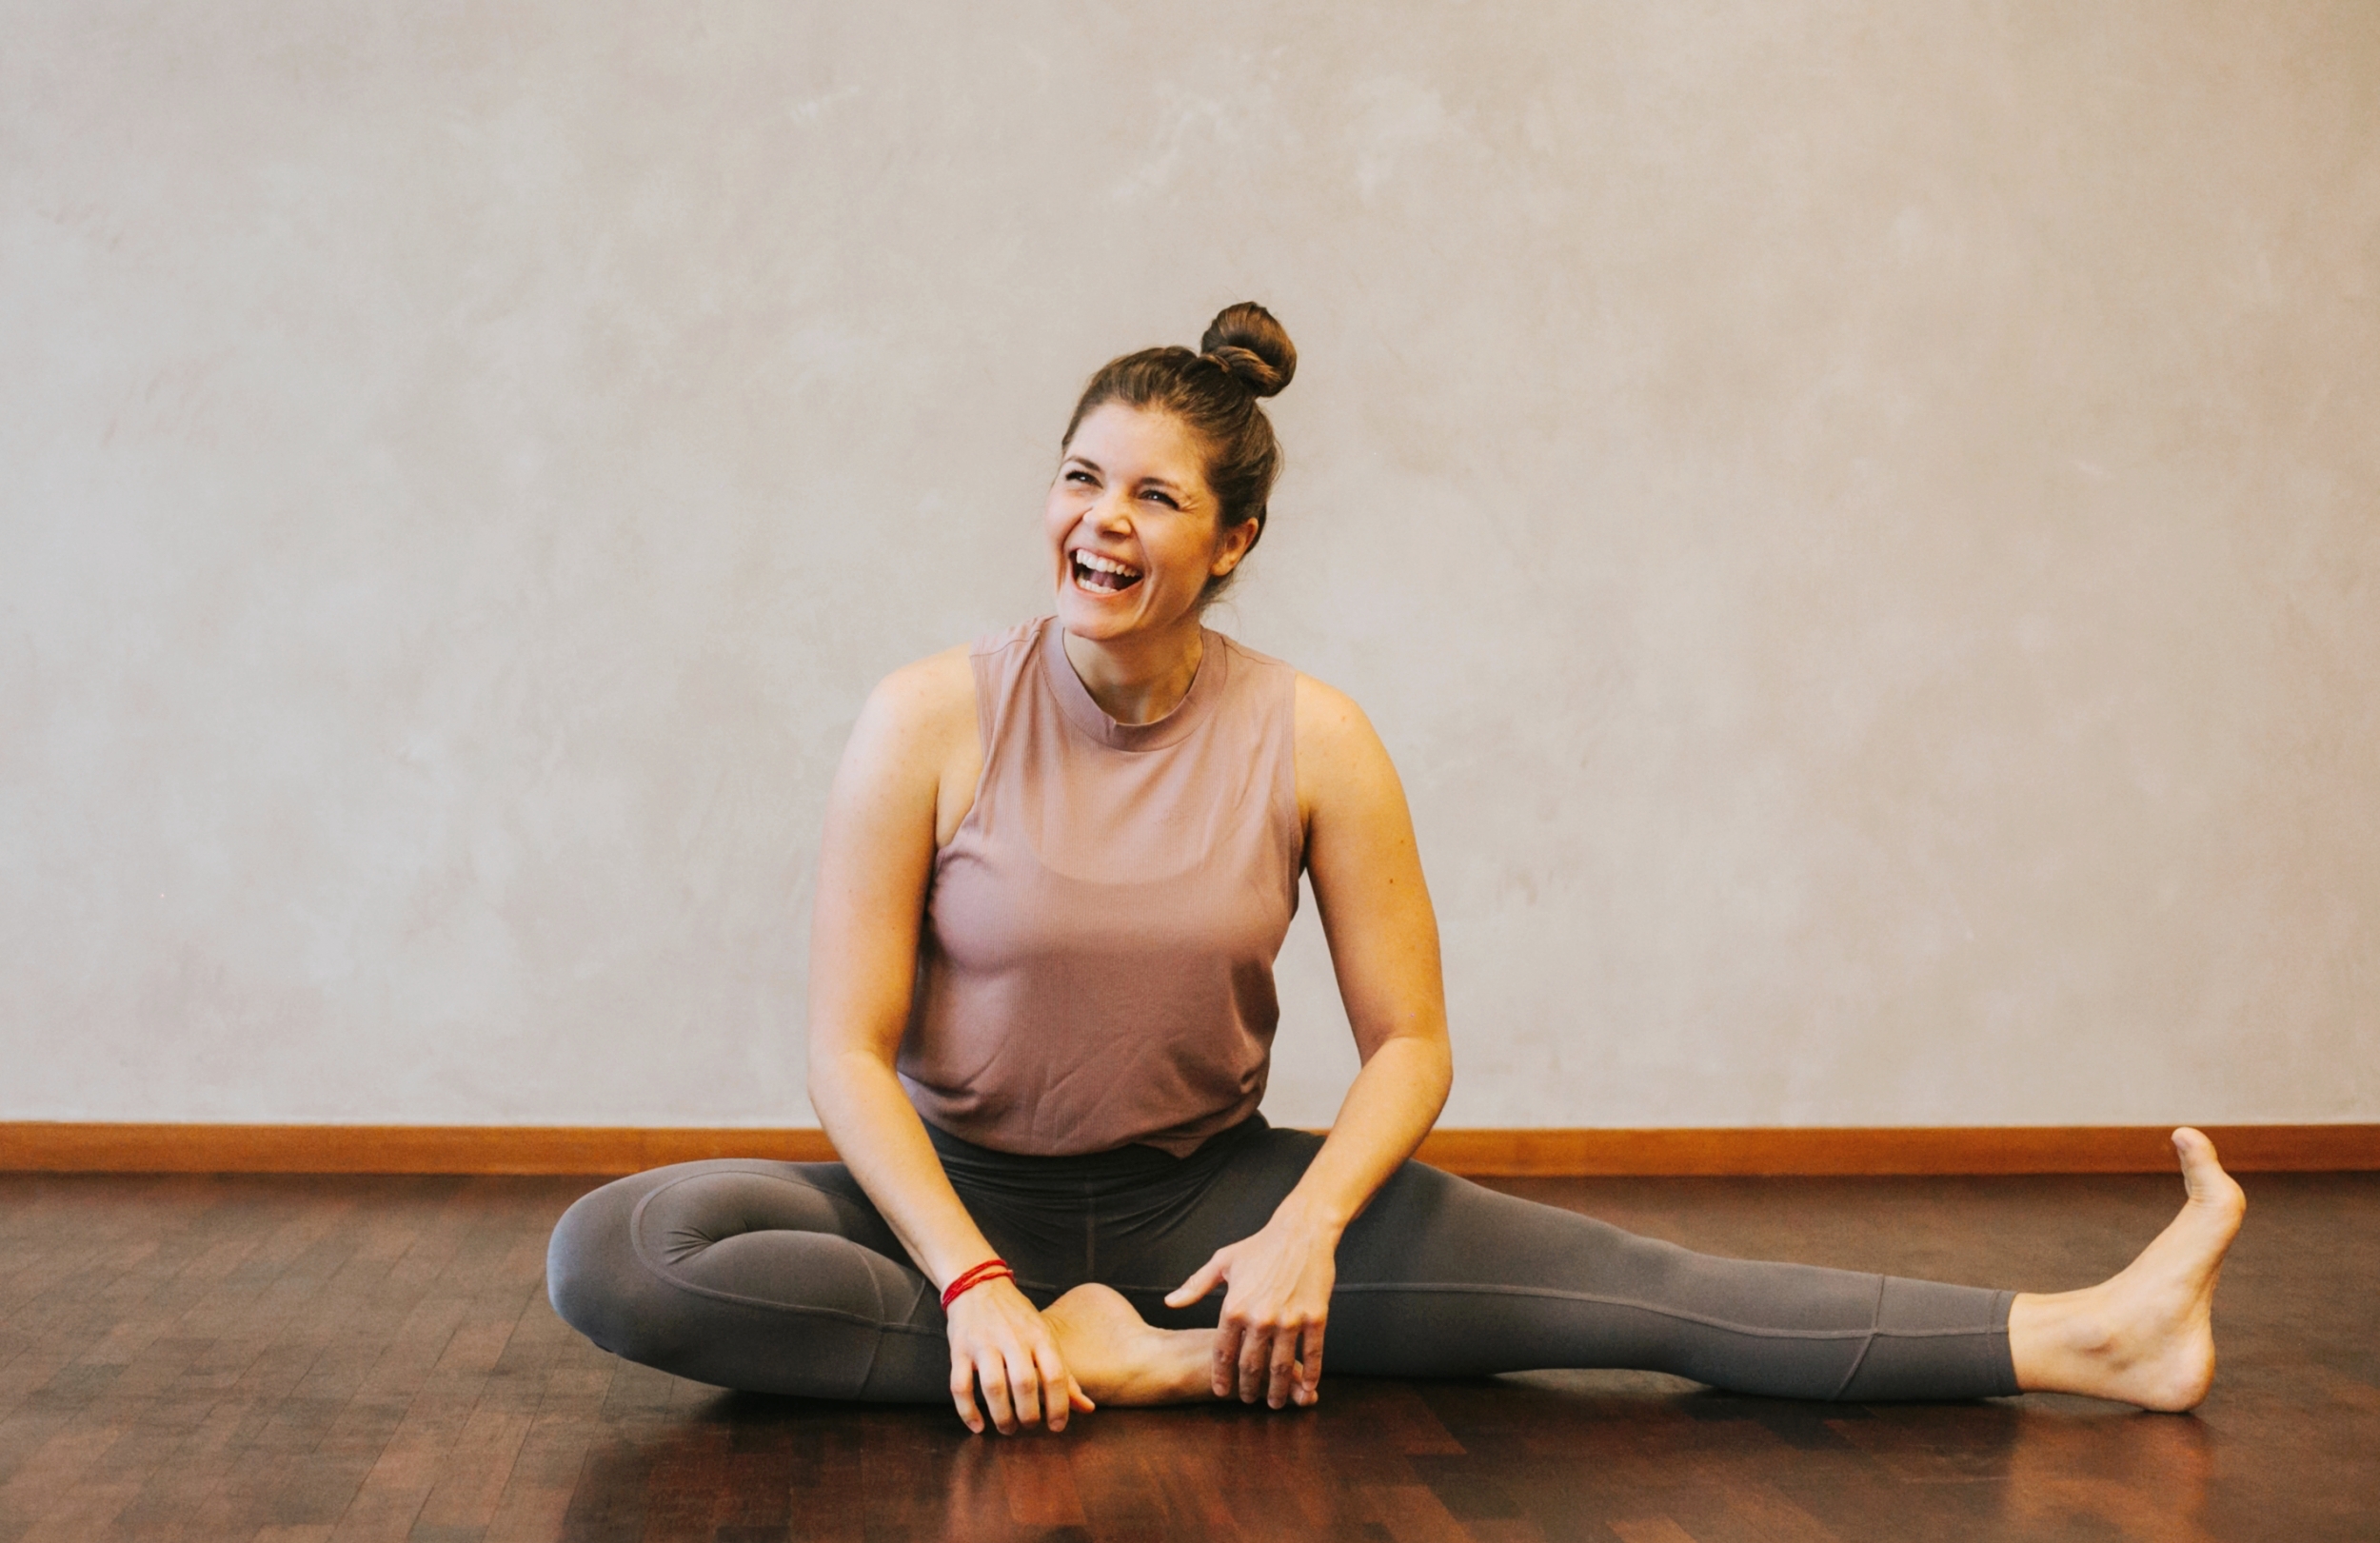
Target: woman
(1057, 867)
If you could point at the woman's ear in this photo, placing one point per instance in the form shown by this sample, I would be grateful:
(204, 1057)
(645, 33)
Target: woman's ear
(1232, 545)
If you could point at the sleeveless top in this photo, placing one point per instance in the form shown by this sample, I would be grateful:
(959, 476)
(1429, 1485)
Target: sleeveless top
(1096, 967)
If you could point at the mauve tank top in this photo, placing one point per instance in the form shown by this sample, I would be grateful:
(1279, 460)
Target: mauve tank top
(1096, 963)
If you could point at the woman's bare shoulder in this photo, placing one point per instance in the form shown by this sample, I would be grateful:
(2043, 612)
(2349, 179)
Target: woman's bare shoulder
(917, 716)
(1329, 719)
(930, 692)
(1337, 750)
(920, 732)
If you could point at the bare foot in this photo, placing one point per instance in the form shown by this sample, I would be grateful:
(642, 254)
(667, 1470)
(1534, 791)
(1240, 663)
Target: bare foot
(2144, 1336)
(1121, 1358)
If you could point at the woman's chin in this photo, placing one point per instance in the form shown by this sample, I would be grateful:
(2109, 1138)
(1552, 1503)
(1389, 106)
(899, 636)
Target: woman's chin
(1095, 619)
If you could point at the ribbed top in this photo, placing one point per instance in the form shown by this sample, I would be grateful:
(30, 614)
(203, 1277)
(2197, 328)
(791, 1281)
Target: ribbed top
(1097, 965)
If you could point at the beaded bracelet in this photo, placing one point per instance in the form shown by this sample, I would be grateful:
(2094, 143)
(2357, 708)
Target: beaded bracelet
(988, 1270)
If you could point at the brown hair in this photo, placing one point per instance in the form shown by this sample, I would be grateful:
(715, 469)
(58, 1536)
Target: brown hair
(1244, 355)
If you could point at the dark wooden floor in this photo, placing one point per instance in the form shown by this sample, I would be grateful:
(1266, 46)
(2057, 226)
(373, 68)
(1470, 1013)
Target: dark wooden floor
(304, 1359)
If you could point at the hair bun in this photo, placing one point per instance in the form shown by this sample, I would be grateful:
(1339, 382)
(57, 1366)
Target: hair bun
(1246, 340)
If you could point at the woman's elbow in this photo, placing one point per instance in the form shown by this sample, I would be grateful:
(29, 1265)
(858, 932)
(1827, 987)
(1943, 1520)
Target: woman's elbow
(1443, 1071)
(1426, 1062)
(835, 1068)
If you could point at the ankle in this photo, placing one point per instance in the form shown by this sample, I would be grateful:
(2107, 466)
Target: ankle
(2058, 1341)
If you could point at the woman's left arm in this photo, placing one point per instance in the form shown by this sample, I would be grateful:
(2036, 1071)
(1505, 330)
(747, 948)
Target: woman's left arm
(1366, 873)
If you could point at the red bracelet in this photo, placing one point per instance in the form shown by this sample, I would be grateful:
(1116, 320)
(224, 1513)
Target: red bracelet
(988, 1270)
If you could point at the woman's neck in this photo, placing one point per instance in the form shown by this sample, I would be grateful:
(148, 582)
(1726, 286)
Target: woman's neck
(1140, 679)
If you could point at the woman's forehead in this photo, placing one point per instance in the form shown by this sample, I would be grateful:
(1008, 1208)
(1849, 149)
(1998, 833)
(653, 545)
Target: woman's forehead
(1120, 438)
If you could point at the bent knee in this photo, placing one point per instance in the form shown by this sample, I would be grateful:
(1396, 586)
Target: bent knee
(592, 1276)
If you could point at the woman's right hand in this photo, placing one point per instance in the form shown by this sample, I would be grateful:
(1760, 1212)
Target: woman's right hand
(999, 1341)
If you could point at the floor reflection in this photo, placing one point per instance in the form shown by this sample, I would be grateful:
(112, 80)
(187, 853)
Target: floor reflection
(1566, 1454)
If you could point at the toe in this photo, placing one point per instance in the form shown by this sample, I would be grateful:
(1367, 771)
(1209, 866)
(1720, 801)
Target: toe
(2202, 1170)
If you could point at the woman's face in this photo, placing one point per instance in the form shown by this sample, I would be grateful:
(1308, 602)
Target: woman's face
(1133, 529)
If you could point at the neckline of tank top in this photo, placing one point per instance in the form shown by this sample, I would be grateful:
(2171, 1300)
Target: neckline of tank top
(1082, 710)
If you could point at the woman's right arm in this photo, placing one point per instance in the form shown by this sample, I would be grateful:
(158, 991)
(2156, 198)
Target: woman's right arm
(911, 762)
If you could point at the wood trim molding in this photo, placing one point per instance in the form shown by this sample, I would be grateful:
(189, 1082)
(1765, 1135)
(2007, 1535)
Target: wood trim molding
(1876, 1150)
(44, 1147)
(41, 1146)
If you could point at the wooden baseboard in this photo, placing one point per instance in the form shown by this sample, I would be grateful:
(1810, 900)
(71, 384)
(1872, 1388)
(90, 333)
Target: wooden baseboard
(44, 1147)
(40, 1146)
(1872, 1150)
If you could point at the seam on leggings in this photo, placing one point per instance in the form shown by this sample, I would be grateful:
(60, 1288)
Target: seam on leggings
(1459, 1288)
(1732, 1327)
(636, 1215)
(1875, 1321)
(636, 1246)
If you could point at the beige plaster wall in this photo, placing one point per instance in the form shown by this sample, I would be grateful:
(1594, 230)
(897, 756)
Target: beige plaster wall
(1857, 521)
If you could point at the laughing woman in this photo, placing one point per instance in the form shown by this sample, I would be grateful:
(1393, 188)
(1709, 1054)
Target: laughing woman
(1059, 864)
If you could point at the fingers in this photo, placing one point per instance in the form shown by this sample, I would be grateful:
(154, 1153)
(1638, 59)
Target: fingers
(1283, 1370)
(1018, 1393)
(996, 1399)
(1024, 1392)
(1020, 1397)
(962, 1395)
(1229, 1335)
(1255, 1356)
(1011, 1362)
(1210, 1275)
(1058, 1390)
(1281, 1364)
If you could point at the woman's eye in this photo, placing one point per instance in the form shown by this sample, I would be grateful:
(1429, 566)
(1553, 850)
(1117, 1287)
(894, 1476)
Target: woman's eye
(1079, 476)
(1166, 499)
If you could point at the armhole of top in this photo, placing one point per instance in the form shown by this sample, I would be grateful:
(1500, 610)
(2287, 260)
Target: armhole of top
(984, 675)
(1293, 819)
(987, 716)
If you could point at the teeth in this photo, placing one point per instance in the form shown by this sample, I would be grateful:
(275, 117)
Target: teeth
(1100, 564)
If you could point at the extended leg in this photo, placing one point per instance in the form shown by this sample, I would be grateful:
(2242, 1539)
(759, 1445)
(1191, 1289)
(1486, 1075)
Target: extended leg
(1443, 1278)
(769, 1276)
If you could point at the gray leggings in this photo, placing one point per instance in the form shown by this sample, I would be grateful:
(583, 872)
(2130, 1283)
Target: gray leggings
(782, 1278)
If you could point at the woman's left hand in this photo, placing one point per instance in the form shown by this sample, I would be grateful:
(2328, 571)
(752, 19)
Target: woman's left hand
(1269, 1343)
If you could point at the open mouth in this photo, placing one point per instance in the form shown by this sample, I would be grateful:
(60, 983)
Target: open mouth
(1101, 575)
